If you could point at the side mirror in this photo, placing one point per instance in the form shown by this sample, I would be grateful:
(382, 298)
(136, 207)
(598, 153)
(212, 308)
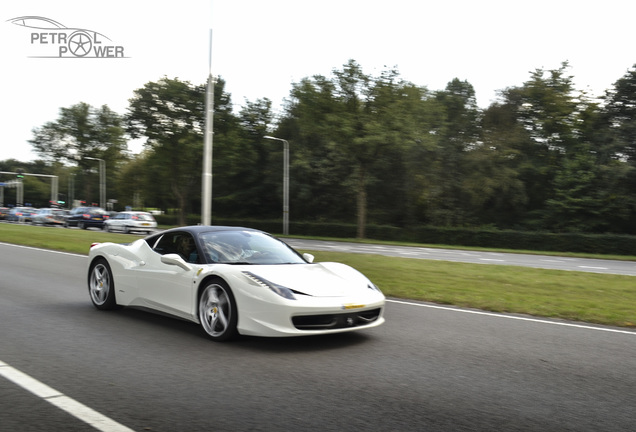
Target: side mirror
(174, 259)
(308, 257)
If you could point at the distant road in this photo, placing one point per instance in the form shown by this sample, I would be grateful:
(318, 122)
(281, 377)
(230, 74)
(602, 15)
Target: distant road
(627, 268)
(524, 260)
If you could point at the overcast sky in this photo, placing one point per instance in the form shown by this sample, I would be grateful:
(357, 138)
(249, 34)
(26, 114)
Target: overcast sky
(260, 47)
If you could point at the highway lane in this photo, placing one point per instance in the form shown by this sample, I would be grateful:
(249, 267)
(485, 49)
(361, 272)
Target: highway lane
(475, 257)
(428, 368)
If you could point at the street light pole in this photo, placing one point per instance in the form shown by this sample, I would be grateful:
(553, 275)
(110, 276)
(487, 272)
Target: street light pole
(206, 178)
(102, 180)
(285, 183)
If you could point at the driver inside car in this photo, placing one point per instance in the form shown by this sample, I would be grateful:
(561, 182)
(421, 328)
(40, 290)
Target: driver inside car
(187, 250)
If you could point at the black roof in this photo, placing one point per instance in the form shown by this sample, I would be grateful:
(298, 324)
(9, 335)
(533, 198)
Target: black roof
(196, 229)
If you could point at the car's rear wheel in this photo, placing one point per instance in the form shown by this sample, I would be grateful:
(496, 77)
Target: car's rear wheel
(217, 311)
(101, 285)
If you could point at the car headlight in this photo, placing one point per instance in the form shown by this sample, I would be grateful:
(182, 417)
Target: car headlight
(278, 289)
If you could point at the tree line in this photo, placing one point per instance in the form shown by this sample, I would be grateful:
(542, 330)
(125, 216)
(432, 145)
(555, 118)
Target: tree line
(366, 150)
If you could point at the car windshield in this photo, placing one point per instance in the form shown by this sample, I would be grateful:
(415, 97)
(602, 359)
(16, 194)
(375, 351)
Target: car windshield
(246, 247)
(144, 217)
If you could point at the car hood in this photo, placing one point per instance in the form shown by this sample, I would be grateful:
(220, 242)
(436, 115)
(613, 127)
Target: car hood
(317, 280)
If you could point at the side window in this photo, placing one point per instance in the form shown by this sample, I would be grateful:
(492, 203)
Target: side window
(181, 243)
(166, 245)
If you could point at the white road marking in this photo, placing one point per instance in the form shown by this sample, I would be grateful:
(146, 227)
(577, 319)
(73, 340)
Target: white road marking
(496, 315)
(593, 268)
(54, 397)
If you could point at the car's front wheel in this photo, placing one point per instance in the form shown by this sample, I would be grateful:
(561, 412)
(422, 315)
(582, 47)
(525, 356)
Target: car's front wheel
(217, 311)
(101, 285)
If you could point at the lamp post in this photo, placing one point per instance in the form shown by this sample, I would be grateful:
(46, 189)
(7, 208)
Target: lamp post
(71, 191)
(285, 183)
(102, 180)
(206, 177)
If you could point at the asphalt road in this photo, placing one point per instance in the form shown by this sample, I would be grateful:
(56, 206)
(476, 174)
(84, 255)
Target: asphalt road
(474, 257)
(428, 368)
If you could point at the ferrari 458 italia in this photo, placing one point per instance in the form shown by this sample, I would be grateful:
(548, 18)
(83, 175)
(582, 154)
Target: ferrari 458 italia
(233, 281)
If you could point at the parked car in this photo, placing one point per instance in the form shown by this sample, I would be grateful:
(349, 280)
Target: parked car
(48, 216)
(86, 217)
(20, 214)
(130, 221)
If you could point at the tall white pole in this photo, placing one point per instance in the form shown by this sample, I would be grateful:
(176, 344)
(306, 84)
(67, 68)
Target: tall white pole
(102, 180)
(286, 188)
(102, 191)
(285, 182)
(54, 190)
(206, 187)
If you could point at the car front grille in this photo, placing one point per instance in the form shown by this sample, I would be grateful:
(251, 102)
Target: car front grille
(336, 321)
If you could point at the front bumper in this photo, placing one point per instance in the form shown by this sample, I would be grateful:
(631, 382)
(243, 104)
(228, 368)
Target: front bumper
(311, 316)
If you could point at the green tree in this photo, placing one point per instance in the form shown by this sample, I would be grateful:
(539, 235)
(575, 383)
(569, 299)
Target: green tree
(548, 109)
(620, 111)
(493, 183)
(318, 168)
(407, 119)
(458, 135)
(137, 188)
(83, 131)
(587, 197)
(360, 142)
(243, 165)
(170, 114)
(356, 132)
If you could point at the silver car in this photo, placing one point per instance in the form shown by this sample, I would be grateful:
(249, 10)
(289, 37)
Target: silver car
(130, 221)
(48, 216)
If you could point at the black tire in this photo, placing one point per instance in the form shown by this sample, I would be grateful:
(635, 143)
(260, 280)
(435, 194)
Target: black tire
(81, 225)
(218, 313)
(101, 285)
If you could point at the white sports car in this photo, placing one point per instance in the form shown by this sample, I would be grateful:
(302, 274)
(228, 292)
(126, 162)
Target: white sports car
(233, 281)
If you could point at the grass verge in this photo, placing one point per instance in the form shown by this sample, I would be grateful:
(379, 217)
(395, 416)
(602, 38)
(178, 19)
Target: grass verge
(589, 297)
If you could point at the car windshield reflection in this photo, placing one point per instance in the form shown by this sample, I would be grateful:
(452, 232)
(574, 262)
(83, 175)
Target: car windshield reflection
(246, 247)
